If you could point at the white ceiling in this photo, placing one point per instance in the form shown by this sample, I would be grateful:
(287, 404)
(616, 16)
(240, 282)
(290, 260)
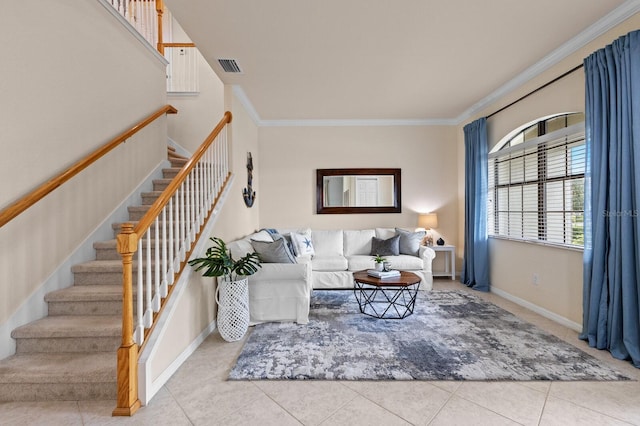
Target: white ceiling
(420, 61)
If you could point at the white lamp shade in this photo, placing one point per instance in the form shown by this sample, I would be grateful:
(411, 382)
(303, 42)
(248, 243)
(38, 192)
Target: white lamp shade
(428, 220)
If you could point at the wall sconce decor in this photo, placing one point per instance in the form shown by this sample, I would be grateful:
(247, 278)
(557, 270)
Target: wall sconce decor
(248, 193)
(428, 221)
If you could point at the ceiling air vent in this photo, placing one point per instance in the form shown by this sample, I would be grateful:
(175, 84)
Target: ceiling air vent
(230, 65)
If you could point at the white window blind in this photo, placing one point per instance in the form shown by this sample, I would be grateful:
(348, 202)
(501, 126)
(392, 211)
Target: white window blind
(536, 185)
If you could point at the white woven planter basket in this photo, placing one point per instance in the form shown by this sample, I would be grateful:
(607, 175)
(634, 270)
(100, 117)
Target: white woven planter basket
(233, 309)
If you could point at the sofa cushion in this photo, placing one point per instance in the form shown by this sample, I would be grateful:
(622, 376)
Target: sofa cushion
(328, 243)
(388, 247)
(329, 263)
(405, 262)
(358, 242)
(410, 241)
(360, 262)
(273, 252)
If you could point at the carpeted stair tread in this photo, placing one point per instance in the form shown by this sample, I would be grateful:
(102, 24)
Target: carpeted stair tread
(86, 293)
(103, 299)
(64, 326)
(106, 244)
(170, 172)
(98, 266)
(149, 198)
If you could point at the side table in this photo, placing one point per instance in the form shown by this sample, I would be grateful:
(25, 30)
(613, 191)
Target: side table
(450, 262)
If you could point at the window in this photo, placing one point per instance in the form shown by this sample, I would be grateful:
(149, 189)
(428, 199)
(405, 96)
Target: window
(536, 183)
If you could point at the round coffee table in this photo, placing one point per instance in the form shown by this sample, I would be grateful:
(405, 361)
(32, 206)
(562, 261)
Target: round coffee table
(388, 298)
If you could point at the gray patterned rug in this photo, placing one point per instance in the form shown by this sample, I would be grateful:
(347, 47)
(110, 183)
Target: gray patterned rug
(450, 336)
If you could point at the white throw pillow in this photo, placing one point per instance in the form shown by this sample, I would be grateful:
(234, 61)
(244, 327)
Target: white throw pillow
(263, 236)
(302, 244)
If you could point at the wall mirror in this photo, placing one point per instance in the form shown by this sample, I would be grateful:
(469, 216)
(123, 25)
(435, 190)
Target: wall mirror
(340, 191)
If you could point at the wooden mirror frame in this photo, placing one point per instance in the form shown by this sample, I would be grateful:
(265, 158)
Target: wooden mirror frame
(321, 209)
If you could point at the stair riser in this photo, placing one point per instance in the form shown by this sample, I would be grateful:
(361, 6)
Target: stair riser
(93, 278)
(112, 253)
(170, 173)
(117, 227)
(58, 391)
(160, 185)
(67, 344)
(148, 199)
(104, 278)
(137, 213)
(87, 308)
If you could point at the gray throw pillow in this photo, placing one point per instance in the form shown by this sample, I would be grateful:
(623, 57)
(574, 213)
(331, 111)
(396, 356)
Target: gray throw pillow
(389, 247)
(275, 252)
(410, 241)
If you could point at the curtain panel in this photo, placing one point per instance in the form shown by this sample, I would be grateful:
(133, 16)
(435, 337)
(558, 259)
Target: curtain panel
(611, 316)
(475, 264)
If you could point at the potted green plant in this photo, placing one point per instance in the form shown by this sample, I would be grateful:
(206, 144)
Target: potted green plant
(218, 262)
(379, 262)
(232, 293)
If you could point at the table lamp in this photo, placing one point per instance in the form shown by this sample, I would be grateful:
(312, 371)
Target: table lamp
(428, 221)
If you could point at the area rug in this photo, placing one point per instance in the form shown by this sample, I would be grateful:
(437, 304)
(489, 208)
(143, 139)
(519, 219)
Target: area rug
(452, 335)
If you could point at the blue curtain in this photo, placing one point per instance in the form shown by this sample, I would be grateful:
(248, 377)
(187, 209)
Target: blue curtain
(475, 265)
(612, 232)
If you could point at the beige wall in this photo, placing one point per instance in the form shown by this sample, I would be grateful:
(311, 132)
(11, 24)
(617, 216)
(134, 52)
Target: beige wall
(289, 157)
(74, 81)
(513, 264)
(198, 113)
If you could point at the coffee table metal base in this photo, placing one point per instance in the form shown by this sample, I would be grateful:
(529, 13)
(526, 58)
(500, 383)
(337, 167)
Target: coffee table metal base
(391, 302)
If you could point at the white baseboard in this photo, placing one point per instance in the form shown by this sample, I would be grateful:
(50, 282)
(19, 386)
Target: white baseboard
(147, 387)
(537, 309)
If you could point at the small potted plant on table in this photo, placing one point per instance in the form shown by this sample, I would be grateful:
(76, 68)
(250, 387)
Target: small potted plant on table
(232, 293)
(379, 262)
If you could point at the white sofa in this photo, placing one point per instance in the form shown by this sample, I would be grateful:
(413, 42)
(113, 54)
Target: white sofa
(281, 291)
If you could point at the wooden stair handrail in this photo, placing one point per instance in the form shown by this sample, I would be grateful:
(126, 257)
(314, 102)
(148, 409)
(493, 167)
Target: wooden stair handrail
(19, 206)
(127, 402)
(156, 208)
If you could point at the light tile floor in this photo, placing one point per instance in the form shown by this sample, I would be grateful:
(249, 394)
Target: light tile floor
(198, 394)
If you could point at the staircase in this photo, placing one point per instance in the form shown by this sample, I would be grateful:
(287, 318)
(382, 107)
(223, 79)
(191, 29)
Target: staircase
(71, 353)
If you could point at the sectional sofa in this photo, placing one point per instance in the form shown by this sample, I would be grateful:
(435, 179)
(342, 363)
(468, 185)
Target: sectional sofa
(296, 261)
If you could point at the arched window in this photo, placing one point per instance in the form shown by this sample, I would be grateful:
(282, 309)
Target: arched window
(536, 182)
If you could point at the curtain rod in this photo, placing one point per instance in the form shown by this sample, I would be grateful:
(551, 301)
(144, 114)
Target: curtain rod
(536, 90)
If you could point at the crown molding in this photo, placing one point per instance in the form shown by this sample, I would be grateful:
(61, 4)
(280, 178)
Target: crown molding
(604, 24)
(246, 103)
(253, 114)
(357, 122)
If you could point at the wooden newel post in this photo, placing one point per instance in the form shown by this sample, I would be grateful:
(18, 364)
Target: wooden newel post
(159, 12)
(127, 399)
